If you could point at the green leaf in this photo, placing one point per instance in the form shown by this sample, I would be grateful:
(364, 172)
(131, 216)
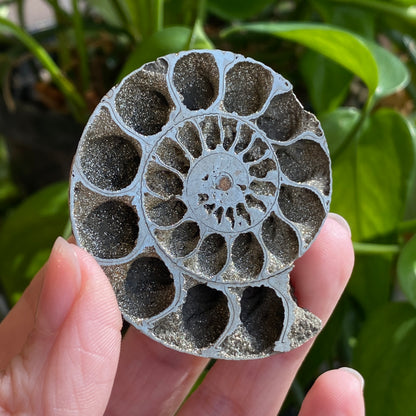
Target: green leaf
(27, 236)
(169, 40)
(371, 176)
(406, 270)
(392, 73)
(343, 47)
(338, 125)
(381, 71)
(237, 9)
(386, 356)
(327, 82)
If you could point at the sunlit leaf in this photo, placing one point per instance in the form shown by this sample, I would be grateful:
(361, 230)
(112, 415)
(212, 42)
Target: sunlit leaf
(371, 176)
(343, 47)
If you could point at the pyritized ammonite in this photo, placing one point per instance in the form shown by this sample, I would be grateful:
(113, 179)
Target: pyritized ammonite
(198, 181)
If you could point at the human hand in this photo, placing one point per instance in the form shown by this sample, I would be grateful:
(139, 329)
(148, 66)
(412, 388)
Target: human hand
(60, 349)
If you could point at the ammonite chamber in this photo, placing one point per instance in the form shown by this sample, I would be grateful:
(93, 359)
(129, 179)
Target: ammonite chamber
(198, 181)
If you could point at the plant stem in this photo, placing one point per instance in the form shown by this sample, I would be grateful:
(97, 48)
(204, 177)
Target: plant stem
(64, 55)
(135, 15)
(120, 12)
(371, 248)
(142, 17)
(21, 13)
(201, 10)
(355, 129)
(159, 15)
(75, 100)
(81, 46)
(198, 33)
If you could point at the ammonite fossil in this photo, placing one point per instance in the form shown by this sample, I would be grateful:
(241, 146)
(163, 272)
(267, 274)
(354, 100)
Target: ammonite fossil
(198, 181)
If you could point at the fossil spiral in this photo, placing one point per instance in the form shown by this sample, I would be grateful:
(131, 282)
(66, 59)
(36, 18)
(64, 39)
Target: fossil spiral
(197, 183)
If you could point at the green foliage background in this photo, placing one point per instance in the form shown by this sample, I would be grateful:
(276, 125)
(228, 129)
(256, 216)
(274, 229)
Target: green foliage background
(352, 62)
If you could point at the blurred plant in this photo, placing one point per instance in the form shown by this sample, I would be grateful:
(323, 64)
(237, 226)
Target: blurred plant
(353, 63)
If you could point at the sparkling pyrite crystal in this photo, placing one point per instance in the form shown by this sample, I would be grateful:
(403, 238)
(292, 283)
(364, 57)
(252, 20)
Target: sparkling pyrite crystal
(197, 183)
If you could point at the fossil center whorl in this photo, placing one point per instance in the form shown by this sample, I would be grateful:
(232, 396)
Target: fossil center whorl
(197, 183)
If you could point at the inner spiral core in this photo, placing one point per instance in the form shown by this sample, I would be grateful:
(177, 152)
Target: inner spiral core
(209, 181)
(224, 182)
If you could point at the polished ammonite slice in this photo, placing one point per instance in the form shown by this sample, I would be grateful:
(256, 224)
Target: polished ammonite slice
(197, 183)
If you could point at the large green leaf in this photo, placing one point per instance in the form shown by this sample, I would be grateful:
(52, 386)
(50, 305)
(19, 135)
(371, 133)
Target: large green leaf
(170, 40)
(371, 176)
(237, 9)
(381, 71)
(341, 46)
(406, 270)
(386, 356)
(392, 73)
(27, 236)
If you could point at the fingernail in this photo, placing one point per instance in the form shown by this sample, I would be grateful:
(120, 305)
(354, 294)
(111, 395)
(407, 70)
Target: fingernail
(356, 374)
(60, 288)
(341, 221)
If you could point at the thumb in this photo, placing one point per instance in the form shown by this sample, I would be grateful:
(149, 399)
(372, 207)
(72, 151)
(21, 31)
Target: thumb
(336, 392)
(69, 359)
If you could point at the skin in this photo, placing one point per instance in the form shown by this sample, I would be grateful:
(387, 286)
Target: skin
(61, 351)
